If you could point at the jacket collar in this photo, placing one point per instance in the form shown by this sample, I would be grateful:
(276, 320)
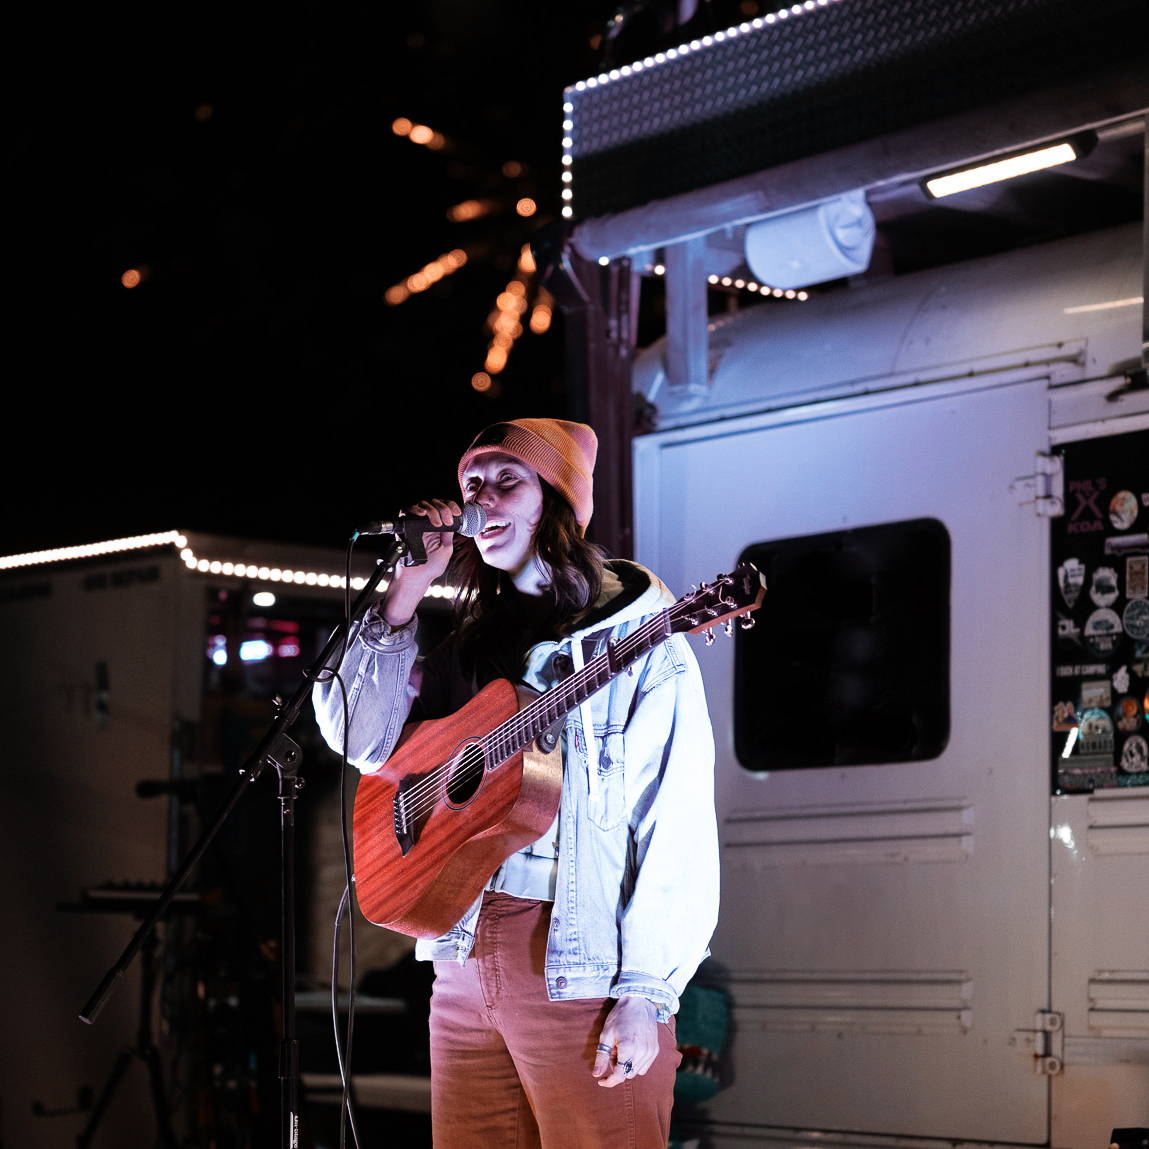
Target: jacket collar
(629, 591)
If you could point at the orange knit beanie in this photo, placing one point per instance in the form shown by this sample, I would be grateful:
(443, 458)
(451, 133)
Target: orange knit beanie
(561, 452)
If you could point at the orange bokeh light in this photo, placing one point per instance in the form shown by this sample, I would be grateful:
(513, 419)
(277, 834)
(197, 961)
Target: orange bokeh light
(131, 277)
(402, 126)
(481, 381)
(526, 207)
(468, 209)
(421, 134)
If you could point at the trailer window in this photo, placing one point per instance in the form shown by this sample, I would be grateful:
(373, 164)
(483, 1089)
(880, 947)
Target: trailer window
(849, 662)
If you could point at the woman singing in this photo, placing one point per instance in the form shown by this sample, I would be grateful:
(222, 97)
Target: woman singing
(552, 1011)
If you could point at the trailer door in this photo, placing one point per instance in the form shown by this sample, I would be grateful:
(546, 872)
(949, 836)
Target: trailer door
(884, 926)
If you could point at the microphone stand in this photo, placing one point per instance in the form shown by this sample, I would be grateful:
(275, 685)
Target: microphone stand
(277, 750)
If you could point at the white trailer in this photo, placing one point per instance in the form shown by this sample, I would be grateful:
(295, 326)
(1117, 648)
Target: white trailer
(943, 946)
(933, 801)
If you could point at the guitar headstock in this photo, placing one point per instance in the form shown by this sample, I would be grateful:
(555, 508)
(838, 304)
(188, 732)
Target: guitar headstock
(728, 597)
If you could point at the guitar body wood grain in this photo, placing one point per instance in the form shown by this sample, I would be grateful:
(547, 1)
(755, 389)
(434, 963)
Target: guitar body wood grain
(457, 844)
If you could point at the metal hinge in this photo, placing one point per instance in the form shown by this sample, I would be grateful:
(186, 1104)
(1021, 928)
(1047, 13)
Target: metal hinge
(1049, 1051)
(1044, 490)
(1045, 1041)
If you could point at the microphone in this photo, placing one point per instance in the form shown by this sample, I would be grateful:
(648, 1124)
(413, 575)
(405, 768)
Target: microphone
(469, 523)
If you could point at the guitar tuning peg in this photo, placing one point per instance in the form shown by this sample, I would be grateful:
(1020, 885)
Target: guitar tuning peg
(747, 622)
(710, 638)
(728, 626)
(693, 588)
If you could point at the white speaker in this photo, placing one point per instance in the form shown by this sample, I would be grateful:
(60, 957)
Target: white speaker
(813, 244)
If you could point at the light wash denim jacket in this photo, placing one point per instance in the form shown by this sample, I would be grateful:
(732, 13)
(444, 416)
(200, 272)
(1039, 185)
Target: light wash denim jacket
(636, 897)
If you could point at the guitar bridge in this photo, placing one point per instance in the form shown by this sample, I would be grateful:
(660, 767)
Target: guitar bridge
(404, 818)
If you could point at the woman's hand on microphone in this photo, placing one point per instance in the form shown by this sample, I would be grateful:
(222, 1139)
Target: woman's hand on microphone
(410, 583)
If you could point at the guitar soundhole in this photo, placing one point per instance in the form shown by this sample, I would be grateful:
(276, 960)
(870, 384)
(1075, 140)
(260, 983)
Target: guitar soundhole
(466, 775)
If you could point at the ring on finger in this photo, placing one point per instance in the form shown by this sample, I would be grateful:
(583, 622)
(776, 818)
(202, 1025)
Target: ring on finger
(628, 1067)
(602, 1048)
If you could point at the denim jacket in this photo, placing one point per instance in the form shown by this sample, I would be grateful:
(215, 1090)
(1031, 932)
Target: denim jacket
(636, 897)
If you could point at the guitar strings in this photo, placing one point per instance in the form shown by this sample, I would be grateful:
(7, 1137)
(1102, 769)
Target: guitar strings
(502, 743)
(509, 737)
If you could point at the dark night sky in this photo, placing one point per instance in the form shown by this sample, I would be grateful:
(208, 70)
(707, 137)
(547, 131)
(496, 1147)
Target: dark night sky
(255, 383)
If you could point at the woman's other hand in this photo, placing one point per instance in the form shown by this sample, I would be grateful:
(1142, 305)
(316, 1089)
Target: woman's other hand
(628, 1043)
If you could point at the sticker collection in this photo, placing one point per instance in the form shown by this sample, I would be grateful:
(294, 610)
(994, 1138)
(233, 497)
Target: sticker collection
(1100, 640)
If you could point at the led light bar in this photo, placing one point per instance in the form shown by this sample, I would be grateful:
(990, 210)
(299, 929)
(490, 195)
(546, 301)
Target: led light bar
(1108, 305)
(244, 570)
(963, 179)
(636, 67)
(90, 550)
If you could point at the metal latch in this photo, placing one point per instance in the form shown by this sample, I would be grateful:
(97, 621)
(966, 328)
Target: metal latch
(1044, 490)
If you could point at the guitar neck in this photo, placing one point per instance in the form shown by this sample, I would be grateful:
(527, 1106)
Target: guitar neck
(729, 595)
(519, 732)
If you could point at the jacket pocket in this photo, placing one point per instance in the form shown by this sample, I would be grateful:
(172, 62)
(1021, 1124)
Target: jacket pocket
(606, 800)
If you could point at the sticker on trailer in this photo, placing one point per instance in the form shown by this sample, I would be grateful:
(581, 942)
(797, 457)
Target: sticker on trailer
(1103, 589)
(1102, 630)
(1095, 695)
(1121, 679)
(1085, 512)
(1064, 717)
(1085, 774)
(1077, 669)
(1070, 580)
(1135, 619)
(1137, 576)
(1096, 735)
(1135, 755)
(1068, 632)
(1128, 711)
(1123, 510)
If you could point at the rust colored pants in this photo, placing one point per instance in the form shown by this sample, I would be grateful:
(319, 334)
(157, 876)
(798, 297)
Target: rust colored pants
(512, 1069)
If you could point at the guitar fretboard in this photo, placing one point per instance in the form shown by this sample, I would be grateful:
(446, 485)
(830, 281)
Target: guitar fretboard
(519, 732)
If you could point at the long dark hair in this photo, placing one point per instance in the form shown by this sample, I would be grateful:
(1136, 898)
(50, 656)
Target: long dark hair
(484, 592)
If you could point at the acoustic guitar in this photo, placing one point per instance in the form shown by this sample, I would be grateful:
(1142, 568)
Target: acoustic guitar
(461, 794)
